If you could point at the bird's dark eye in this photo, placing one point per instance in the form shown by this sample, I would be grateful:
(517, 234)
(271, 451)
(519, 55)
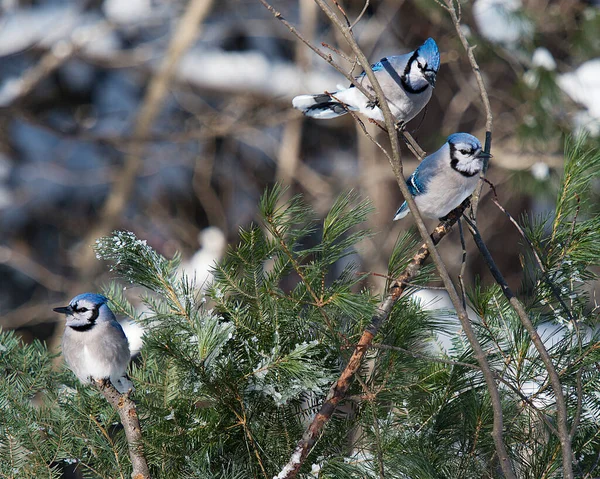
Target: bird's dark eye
(465, 152)
(81, 310)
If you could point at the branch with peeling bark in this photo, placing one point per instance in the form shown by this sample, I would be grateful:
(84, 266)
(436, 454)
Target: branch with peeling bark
(127, 411)
(339, 389)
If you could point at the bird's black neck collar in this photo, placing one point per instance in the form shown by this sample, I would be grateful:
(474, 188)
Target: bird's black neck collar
(91, 322)
(85, 327)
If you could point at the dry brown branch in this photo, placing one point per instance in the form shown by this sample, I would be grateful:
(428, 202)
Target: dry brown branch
(127, 411)
(340, 387)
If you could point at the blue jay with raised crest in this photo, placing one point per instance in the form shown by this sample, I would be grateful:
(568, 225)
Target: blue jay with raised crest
(406, 80)
(444, 179)
(94, 344)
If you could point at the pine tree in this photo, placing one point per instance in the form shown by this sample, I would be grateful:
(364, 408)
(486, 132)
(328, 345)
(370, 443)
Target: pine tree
(226, 384)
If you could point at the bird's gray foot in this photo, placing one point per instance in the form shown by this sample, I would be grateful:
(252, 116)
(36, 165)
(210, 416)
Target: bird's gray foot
(401, 126)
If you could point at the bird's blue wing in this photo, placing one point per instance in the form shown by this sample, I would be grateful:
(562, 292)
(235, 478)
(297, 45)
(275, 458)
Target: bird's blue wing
(417, 182)
(417, 185)
(375, 67)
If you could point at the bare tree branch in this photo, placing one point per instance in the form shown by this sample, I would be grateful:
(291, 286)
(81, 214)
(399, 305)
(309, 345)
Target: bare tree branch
(127, 411)
(498, 426)
(561, 406)
(449, 6)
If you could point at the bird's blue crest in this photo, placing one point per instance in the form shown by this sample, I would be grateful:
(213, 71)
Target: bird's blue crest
(429, 51)
(464, 138)
(91, 297)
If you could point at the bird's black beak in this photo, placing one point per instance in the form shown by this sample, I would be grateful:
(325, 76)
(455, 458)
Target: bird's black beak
(484, 155)
(63, 310)
(430, 77)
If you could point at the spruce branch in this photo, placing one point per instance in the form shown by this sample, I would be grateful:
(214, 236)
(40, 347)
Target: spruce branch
(127, 411)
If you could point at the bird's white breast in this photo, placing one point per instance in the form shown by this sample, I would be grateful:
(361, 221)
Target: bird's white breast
(445, 192)
(99, 352)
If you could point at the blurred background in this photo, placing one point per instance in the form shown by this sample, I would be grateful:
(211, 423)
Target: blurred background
(170, 118)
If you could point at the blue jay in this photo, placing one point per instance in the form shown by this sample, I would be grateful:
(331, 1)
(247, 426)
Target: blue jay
(407, 81)
(446, 178)
(94, 344)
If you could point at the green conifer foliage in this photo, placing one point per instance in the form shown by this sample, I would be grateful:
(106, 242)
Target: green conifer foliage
(226, 387)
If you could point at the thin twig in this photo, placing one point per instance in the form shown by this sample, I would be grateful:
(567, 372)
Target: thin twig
(555, 290)
(579, 388)
(463, 264)
(561, 407)
(573, 224)
(343, 12)
(360, 15)
(339, 52)
(413, 146)
(327, 57)
(406, 283)
(127, 411)
(456, 17)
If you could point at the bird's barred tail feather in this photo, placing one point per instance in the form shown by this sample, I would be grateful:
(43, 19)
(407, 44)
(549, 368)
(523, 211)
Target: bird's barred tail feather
(320, 106)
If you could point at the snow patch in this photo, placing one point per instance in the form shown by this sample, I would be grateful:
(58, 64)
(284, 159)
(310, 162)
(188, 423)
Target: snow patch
(583, 86)
(542, 58)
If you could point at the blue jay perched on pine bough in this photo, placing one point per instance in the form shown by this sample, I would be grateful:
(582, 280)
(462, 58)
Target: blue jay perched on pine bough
(94, 344)
(446, 178)
(406, 80)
